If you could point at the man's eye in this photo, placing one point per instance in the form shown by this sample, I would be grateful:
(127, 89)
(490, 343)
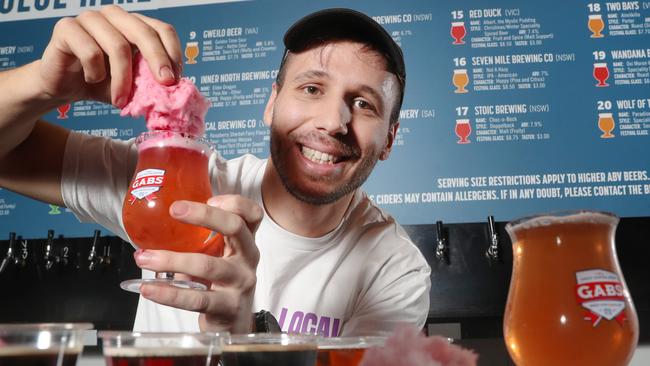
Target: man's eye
(360, 103)
(310, 89)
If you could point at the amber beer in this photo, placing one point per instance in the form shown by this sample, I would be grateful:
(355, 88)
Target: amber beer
(568, 303)
(170, 167)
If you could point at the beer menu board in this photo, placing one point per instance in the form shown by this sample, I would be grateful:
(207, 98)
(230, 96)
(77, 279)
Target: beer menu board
(512, 108)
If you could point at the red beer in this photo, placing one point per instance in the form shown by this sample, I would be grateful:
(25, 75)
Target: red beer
(345, 351)
(171, 167)
(568, 303)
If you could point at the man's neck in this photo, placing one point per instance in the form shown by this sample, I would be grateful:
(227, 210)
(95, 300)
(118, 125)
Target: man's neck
(296, 216)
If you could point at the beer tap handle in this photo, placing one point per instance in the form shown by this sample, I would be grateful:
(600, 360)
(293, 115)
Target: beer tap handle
(106, 258)
(64, 253)
(20, 258)
(50, 258)
(494, 251)
(93, 258)
(441, 244)
(9, 257)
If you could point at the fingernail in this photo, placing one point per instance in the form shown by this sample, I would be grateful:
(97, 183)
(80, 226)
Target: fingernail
(166, 73)
(180, 209)
(142, 256)
(120, 102)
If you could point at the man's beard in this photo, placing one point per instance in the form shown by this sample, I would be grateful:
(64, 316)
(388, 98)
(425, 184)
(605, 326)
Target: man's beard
(280, 156)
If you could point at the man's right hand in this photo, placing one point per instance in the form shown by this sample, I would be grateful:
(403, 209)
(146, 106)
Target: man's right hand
(90, 56)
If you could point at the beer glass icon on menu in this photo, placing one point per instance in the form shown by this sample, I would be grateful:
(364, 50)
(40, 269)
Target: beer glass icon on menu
(458, 32)
(63, 111)
(601, 73)
(568, 303)
(463, 129)
(171, 166)
(606, 124)
(191, 52)
(596, 25)
(460, 79)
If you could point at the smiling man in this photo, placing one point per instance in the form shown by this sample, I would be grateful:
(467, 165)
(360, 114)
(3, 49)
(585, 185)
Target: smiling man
(302, 239)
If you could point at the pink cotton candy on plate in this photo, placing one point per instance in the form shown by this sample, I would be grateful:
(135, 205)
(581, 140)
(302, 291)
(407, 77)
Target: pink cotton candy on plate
(408, 347)
(178, 108)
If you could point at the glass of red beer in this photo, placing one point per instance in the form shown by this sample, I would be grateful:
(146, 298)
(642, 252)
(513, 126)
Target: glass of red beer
(56, 344)
(171, 166)
(161, 349)
(568, 303)
(345, 351)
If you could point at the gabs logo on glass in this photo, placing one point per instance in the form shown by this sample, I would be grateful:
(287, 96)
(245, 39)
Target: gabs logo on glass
(146, 184)
(602, 294)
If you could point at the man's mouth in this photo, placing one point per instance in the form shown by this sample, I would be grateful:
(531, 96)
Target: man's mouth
(319, 156)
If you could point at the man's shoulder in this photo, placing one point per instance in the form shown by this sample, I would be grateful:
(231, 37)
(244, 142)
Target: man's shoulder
(378, 226)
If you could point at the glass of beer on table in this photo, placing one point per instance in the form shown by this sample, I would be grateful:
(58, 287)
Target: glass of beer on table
(568, 303)
(269, 349)
(171, 166)
(345, 351)
(55, 344)
(161, 349)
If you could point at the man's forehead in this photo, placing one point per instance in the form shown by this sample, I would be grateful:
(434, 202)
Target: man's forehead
(323, 53)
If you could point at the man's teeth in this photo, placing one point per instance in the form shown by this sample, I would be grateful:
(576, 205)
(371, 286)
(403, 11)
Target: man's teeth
(318, 156)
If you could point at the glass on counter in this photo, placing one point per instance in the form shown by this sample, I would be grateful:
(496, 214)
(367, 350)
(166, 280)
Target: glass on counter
(169, 349)
(56, 344)
(568, 302)
(345, 351)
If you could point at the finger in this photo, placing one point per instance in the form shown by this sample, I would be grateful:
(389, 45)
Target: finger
(217, 270)
(146, 39)
(213, 218)
(234, 228)
(247, 209)
(118, 50)
(169, 39)
(71, 38)
(221, 301)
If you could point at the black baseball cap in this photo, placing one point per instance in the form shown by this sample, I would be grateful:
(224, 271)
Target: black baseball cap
(343, 23)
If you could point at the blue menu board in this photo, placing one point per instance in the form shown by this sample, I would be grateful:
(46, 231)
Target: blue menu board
(511, 108)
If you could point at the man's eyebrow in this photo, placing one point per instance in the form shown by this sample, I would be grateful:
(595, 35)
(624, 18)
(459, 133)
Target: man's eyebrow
(311, 74)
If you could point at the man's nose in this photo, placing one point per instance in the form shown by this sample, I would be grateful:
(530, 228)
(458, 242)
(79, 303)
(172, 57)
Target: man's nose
(334, 117)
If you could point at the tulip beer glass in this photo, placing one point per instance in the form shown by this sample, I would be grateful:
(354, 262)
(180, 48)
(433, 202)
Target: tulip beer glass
(171, 166)
(568, 303)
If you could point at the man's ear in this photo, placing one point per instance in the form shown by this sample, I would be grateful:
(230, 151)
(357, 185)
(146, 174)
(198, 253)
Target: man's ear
(268, 111)
(392, 132)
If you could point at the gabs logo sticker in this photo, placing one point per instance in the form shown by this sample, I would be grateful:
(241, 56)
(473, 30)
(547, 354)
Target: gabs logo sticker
(602, 294)
(146, 184)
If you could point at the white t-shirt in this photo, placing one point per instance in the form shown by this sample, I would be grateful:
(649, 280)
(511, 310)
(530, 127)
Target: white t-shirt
(364, 277)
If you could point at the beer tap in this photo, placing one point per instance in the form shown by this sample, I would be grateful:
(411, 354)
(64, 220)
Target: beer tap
(441, 244)
(494, 250)
(64, 256)
(93, 258)
(9, 257)
(50, 258)
(21, 258)
(106, 258)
